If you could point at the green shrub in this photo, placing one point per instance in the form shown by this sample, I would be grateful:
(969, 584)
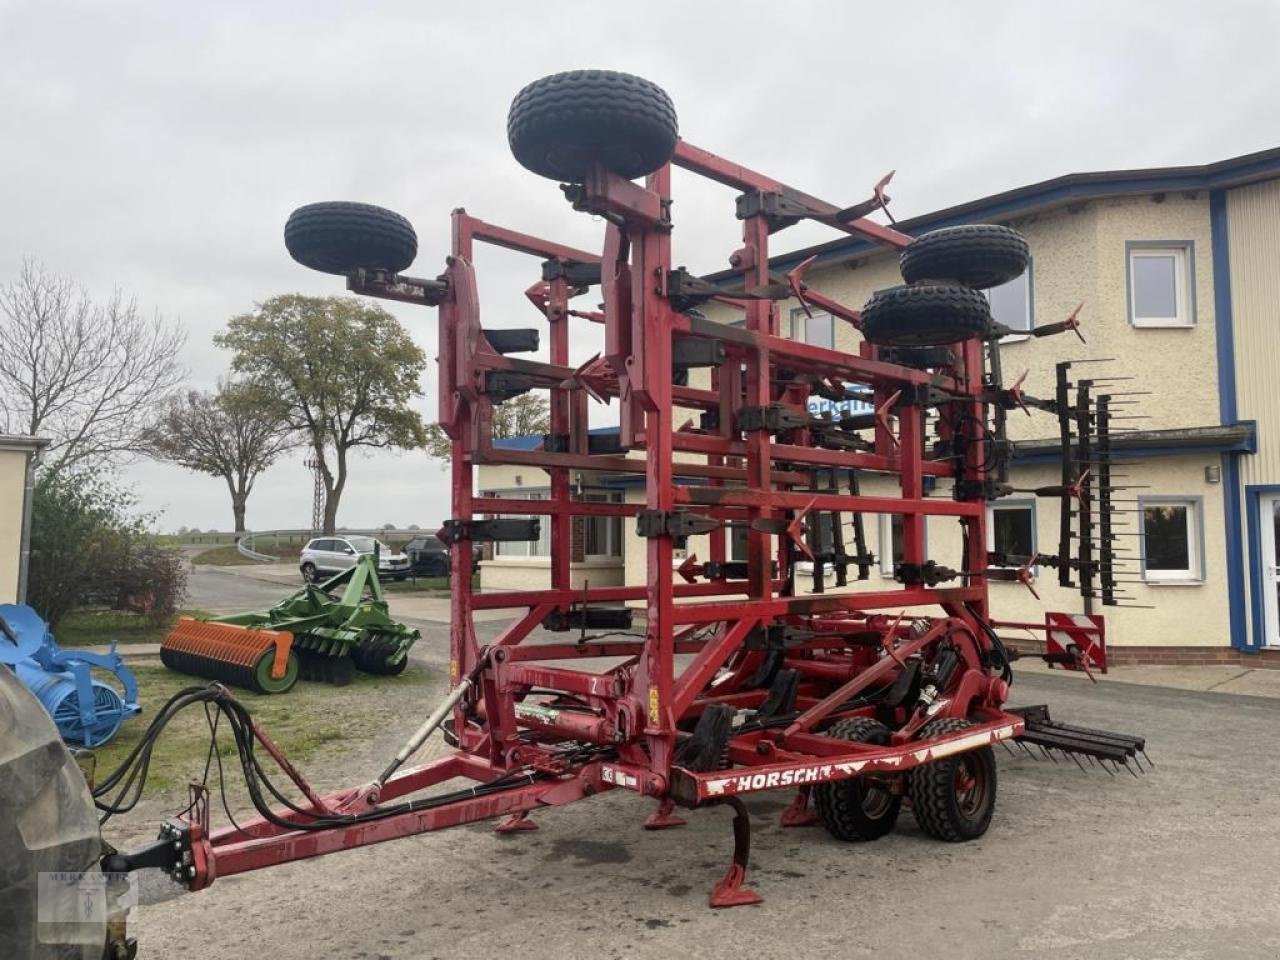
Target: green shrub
(87, 547)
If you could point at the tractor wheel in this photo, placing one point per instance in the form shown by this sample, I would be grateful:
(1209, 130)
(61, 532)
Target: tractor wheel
(342, 237)
(926, 314)
(47, 825)
(978, 255)
(854, 809)
(953, 798)
(560, 125)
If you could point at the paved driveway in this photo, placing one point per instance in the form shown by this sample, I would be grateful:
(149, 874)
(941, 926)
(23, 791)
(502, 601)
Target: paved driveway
(1182, 863)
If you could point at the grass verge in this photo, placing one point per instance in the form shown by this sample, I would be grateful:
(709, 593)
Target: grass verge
(302, 722)
(87, 628)
(229, 556)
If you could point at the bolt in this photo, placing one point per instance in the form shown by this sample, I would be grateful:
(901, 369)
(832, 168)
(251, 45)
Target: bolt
(735, 260)
(191, 871)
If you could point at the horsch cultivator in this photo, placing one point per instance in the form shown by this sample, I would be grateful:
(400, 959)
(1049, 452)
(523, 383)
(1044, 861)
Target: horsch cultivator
(855, 700)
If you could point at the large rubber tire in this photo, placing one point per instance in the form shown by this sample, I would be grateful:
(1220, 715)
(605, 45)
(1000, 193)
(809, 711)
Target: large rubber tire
(926, 314)
(953, 798)
(978, 255)
(47, 825)
(852, 809)
(560, 125)
(341, 237)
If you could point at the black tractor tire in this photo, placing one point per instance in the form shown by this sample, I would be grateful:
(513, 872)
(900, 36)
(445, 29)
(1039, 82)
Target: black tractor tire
(977, 255)
(853, 809)
(925, 314)
(944, 807)
(47, 825)
(341, 237)
(562, 124)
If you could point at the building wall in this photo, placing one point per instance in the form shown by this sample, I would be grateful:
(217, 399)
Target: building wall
(1253, 216)
(13, 476)
(534, 573)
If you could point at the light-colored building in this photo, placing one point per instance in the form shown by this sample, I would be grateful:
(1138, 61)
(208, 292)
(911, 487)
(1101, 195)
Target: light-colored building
(1178, 272)
(17, 472)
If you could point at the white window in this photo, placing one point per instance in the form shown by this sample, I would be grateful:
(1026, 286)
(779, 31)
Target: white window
(1011, 530)
(603, 534)
(818, 330)
(526, 548)
(1160, 283)
(1011, 305)
(1172, 549)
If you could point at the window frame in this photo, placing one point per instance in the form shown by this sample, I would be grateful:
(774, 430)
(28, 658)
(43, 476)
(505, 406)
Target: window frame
(1027, 277)
(1196, 574)
(544, 530)
(800, 319)
(1184, 252)
(1018, 503)
(613, 526)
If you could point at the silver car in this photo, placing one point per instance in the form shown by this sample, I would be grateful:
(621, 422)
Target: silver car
(325, 556)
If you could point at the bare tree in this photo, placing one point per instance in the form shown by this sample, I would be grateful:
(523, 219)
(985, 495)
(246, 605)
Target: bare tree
(92, 377)
(232, 433)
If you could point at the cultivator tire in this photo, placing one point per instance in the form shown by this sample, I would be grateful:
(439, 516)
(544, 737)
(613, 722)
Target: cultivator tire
(47, 825)
(326, 668)
(854, 809)
(374, 656)
(341, 237)
(953, 798)
(978, 255)
(926, 314)
(562, 124)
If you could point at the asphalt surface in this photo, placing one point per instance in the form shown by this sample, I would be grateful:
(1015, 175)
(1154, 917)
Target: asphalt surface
(1179, 863)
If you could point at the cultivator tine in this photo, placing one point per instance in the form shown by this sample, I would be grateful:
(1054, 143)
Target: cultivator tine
(1078, 763)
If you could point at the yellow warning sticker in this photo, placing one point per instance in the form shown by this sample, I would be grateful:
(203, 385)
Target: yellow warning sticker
(654, 712)
(453, 673)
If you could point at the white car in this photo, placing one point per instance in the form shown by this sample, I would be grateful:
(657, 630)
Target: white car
(325, 556)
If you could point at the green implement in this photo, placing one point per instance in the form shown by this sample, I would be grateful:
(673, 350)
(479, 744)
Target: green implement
(331, 636)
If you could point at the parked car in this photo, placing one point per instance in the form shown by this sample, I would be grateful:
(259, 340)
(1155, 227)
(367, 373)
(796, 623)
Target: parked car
(325, 556)
(428, 557)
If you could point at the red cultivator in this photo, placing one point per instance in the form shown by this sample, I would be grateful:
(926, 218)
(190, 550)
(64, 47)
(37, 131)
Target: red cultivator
(855, 699)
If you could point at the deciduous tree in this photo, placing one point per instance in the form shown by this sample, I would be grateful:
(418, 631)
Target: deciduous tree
(522, 416)
(338, 370)
(234, 433)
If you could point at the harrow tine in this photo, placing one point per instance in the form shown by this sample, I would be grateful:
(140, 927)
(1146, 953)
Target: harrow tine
(1150, 762)
(1078, 763)
(1103, 764)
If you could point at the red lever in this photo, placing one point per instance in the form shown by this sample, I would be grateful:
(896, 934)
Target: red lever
(796, 527)
(882, 198)
(1025, 576)
(1015, 392)
(690, 568)
(795, 280)
(882, 415)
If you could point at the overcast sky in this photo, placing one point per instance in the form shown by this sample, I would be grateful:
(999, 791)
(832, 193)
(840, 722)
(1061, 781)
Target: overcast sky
(161, 146)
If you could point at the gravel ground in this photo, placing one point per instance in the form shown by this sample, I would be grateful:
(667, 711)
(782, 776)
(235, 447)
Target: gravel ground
(1180, 863)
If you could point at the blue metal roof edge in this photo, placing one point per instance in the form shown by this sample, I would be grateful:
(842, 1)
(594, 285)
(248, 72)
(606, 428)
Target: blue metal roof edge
(1073, 187)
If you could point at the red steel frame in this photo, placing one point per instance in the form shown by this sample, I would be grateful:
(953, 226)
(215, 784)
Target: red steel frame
(638, 706)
